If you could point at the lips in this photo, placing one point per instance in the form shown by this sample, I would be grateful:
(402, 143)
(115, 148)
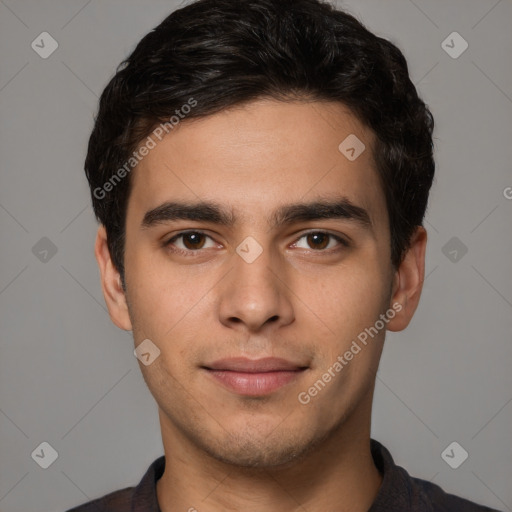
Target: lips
(244, 365)
(254, 377)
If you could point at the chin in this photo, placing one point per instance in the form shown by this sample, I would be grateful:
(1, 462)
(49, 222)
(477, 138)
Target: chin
(249, 454)
(250, 448)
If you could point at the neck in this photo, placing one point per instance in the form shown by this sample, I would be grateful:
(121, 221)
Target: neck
(338, 474)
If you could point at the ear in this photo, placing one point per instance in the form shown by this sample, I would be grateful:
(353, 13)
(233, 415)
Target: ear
(408, 282)
(111, 283)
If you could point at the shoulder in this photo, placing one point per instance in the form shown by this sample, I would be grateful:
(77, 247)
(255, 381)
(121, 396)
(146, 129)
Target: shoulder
(400, 491)
(441, 501)
(141, 497)
(117, 501)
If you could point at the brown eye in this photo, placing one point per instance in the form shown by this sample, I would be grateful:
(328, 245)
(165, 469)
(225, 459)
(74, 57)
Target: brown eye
(189, 242)
(193, 240)
(321, 241)
(318, 240)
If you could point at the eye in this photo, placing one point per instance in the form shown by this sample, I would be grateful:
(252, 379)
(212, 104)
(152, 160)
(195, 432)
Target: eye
(321, 240)
(189, 241)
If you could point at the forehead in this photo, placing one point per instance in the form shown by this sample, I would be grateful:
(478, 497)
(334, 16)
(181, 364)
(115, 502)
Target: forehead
(259, 155)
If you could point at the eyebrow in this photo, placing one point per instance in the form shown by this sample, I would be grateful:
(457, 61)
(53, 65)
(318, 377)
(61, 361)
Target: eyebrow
(203, 211)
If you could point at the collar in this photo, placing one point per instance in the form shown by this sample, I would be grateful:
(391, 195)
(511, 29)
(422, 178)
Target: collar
(397, 491)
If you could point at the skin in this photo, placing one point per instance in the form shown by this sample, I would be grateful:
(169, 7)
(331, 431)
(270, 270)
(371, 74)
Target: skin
(299, 300)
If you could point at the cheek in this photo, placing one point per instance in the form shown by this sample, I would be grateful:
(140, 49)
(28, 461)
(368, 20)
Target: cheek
(346, 298)
(174, 308)
(348, 350)
(161, 293)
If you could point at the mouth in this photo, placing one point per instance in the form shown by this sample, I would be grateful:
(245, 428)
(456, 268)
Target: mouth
(254, 377)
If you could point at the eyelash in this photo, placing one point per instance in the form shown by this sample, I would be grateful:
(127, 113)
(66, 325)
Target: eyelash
(192, 253)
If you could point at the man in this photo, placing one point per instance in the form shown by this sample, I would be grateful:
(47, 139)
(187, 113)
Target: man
(260, 170)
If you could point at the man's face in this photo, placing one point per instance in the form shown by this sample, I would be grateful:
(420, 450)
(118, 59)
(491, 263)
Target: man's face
(216, 312)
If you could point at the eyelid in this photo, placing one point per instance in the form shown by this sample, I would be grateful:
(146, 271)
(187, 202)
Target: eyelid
(183, 233)
(343, 240)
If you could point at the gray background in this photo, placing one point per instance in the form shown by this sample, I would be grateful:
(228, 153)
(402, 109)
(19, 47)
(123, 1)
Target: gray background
(69, 377)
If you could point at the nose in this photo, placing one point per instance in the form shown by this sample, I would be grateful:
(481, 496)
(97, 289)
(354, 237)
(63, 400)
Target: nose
(254, 296)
